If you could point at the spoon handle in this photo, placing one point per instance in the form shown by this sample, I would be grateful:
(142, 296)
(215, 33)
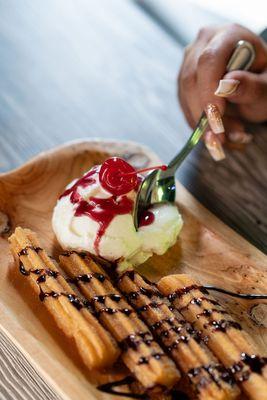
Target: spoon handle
(242, 58)
(190, 144)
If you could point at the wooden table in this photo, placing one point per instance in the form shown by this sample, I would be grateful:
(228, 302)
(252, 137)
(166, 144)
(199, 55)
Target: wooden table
(80, 68)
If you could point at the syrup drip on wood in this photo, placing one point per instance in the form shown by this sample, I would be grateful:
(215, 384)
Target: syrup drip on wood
(110, 388)
(245, 296)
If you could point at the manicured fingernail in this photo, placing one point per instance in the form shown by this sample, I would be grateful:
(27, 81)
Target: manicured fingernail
(240, 137)
(214, 146)
(226, 87)
(214, 118)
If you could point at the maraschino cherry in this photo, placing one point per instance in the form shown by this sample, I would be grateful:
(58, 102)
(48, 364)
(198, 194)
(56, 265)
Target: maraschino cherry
(118, 177)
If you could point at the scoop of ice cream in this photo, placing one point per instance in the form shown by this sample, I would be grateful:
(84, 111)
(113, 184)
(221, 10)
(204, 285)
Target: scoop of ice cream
(95, 214)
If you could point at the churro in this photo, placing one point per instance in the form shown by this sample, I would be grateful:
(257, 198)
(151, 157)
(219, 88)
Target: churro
(226, 339)
(208, 378)
(95, 345)
(140, 352)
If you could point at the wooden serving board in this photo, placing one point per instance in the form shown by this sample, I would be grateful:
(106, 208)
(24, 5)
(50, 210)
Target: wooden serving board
(207, 249)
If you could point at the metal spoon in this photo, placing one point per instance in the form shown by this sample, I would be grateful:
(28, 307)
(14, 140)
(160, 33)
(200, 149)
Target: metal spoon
(159, 186)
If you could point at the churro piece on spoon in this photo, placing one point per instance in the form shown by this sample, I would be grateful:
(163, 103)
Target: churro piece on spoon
(95, 345)
(226, 338)
(208, 378)
(141, 354)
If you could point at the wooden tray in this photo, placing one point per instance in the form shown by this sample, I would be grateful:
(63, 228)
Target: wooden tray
(207, 249)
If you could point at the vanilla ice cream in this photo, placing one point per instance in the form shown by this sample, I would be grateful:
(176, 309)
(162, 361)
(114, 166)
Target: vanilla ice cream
(87, 217)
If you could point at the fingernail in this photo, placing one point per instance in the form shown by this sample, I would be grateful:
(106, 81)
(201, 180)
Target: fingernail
(240, 137)
(226, 87)
(214, 118)
(214, 146)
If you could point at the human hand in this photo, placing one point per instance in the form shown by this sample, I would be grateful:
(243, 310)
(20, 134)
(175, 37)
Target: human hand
(237, 95)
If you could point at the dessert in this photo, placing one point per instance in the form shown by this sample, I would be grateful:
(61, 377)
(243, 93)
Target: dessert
(72, 315)
(226, 339)
(140, 352)
(166, 333)
(161, 331)
(95, 214)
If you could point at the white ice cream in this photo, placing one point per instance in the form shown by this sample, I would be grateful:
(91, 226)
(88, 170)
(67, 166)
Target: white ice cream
(120, 241)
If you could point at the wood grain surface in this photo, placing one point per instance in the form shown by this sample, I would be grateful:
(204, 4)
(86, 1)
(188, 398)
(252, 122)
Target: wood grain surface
(18, 379)
(207, 249)
(82, 68)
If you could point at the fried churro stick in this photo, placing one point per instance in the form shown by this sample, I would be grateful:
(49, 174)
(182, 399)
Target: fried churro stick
(207, 376)
(225, 337)
(95, 345)
(142, 355)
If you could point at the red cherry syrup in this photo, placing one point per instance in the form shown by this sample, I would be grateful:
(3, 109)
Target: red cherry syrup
(117, 177)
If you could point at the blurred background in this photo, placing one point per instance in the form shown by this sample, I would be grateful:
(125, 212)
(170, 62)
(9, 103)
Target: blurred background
(184, 18)
(85, 68)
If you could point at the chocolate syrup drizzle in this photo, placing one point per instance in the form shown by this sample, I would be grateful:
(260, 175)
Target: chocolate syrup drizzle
(245, 296)
(24, 251)
(76, 301)
(86, 278)
(198, 301)
(110, 389)
(187, 289)
(133, 340)
(218, 325)
(172, 322)
(184, 331)
(215, 371)
(254, 362)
